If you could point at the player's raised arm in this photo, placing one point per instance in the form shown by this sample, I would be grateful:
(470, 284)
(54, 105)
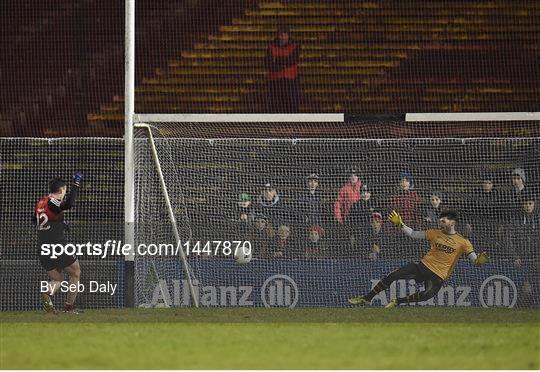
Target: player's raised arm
(396, 219)
(70, 199)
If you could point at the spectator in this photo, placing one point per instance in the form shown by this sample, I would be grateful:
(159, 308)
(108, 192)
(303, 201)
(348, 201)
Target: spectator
(348, 195)
(362, 210)
(242, 216)
(432, 210)
(518, 180)
(379, 243)
(283, 246)
(282, 62)
(314, 246)
(374, 238)
(244, 210)
(262, 235)
(525, 247)
(360, 216)
(526, 230)
(406, 201)
(514, 201)
(488, 198)
(310, 202)
(487, 184)
(483, 217)
(271, 205)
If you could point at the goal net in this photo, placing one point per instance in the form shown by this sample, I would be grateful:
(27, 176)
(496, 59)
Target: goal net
(309, 201)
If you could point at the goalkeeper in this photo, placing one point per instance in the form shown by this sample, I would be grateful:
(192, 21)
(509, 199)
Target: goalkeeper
(436, 266)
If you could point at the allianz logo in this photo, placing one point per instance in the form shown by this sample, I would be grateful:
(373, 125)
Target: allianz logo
(495, 291)
(282, 291)
(277, 291)
(447, 295)
(498, 291)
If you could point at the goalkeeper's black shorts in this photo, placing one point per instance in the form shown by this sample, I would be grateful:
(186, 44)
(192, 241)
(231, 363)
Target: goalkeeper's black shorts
(419, 272)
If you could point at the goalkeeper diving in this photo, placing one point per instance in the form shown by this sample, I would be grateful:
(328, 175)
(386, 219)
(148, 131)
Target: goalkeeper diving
(435, 267)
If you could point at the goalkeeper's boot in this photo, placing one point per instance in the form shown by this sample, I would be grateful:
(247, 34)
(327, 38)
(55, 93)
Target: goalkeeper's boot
(360, 300)
(391, 304)
(47, 303)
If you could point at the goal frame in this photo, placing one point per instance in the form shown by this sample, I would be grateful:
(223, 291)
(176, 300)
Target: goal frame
(132, 120)
(145, 121)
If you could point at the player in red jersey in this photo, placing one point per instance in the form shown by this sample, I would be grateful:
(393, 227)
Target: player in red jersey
(49, 213)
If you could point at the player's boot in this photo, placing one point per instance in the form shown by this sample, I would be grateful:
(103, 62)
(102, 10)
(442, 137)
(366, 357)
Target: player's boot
(70, 309)
(391, 304)
(74, 311)
(47, 303)
(360, 300)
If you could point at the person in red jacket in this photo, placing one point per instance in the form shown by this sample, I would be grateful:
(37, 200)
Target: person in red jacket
(282, 62)
(348, 195)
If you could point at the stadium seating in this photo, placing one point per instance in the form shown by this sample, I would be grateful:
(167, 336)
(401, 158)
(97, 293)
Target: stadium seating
(64, 64)
(56, 54)
(359, 57)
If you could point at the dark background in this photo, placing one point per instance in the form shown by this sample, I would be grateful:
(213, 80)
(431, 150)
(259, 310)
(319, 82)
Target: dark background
(62, 61)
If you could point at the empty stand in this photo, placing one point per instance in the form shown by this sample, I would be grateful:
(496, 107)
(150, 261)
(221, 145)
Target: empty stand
(64, 65)
(359, 57)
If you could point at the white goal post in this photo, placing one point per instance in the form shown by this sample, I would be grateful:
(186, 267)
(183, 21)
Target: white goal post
(330, 117)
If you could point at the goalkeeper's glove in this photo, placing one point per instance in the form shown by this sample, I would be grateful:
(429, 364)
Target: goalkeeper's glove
(77, 179)
(395, 218)
(482, 259)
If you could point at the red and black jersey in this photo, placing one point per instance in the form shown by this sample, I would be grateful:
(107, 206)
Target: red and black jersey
(282, 60)
(49, 214)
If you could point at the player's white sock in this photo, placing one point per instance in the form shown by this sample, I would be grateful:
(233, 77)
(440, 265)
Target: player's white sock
(53, 287)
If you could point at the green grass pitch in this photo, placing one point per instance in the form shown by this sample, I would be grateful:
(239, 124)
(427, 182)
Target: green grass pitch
(234, 338)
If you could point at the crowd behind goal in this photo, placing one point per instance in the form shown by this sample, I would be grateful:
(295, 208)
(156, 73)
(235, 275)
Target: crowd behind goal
(500, 216)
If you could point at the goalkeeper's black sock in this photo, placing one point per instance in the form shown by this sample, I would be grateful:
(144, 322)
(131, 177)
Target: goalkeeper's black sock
(379, 287)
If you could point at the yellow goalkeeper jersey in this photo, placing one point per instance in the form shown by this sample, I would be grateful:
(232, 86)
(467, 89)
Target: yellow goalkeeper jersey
(445, 252)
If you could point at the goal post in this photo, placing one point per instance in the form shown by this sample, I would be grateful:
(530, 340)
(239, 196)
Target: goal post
(129, 110)
(170, 212)
(193, 173)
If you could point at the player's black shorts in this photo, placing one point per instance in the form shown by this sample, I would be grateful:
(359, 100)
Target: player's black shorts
(57, 263)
